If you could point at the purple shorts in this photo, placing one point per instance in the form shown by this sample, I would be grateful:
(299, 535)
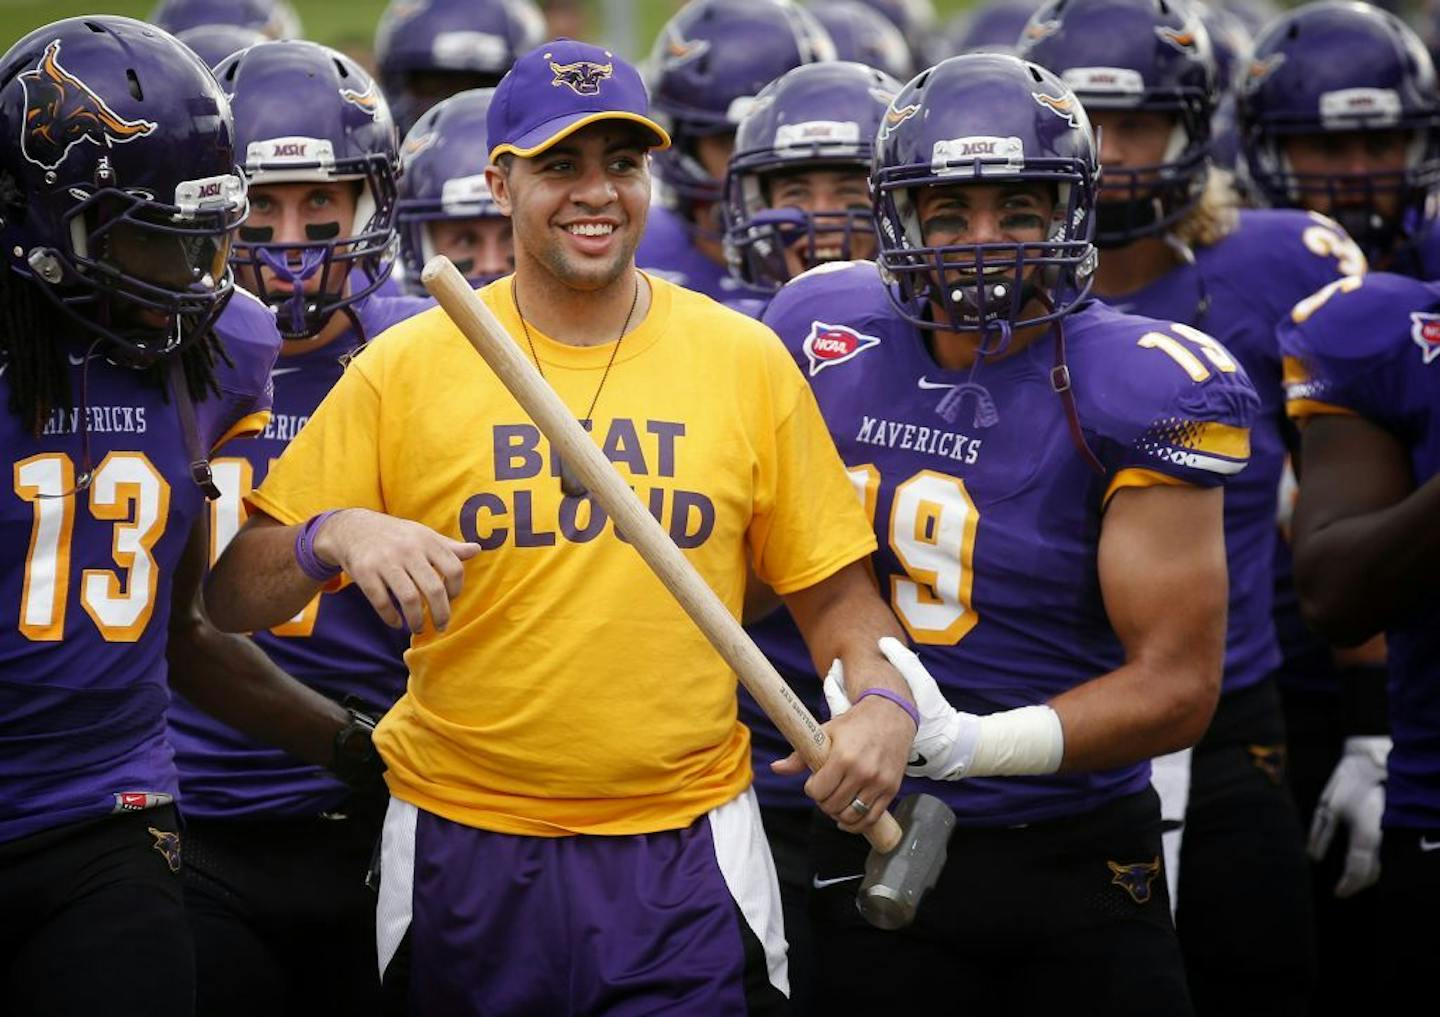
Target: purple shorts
(676, 922)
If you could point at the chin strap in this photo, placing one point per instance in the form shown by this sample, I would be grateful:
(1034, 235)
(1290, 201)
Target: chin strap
(295, 304)
(1060, 382)
(185, 408)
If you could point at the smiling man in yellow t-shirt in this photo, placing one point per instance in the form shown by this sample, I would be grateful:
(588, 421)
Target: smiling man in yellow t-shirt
(572, 828)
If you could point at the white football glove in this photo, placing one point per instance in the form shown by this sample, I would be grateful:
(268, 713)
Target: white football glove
(1354, 795)
(945, 742)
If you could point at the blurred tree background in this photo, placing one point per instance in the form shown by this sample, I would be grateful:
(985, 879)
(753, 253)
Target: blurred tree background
(349, 25)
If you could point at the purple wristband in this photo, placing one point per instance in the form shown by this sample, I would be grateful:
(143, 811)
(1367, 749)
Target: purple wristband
(895, 698)
(305, 555)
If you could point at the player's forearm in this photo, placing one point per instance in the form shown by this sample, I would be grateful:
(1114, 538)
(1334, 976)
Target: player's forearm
(231, 678)
(844, 618)
(257, 582)
(1356, 575)
(1138, 711)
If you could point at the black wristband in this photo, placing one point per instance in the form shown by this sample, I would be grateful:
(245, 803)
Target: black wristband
(355, 760)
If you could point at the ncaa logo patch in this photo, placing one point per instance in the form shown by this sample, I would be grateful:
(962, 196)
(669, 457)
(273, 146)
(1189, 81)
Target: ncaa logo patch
(828, 345)
(1425, 330)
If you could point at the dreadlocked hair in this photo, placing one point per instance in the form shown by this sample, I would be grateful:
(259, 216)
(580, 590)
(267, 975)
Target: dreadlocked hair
(34, 358)
(35, 365)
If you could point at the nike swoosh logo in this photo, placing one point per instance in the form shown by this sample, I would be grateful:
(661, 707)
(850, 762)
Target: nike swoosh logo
(283, 370)
(925, 383)
(821, 884)
(74, 360)
(919, 760)
(1426, 844)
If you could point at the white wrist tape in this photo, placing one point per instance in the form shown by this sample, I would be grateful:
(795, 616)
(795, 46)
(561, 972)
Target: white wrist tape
(1017, 743)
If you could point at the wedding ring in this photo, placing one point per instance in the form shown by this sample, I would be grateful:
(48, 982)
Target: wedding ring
(859, 806)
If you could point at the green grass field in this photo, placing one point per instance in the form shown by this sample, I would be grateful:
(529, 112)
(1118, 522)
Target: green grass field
(345, 24)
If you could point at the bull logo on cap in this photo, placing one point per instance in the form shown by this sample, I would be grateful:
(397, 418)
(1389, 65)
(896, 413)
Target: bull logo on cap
(61, 111)
(583, 76)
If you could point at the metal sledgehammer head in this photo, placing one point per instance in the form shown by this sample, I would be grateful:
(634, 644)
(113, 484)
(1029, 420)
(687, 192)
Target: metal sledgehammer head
(896, 880)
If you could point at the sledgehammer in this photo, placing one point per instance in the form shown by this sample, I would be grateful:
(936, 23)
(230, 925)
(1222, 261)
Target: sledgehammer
(905, 861)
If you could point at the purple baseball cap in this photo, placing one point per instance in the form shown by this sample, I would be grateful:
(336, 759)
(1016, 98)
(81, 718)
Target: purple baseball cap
(558, 88)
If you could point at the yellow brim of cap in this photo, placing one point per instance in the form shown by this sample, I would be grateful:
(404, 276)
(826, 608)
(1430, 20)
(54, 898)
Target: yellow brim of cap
(569, 129)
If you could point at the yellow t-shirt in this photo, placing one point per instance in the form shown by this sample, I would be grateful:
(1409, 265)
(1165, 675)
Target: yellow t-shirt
(570, 693)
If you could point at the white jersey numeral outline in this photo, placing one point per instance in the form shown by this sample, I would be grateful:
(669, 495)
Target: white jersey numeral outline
(932, 528)
(126, 490)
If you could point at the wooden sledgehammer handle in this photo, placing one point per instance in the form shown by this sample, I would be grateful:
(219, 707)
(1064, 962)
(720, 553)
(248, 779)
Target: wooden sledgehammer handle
(644, 533)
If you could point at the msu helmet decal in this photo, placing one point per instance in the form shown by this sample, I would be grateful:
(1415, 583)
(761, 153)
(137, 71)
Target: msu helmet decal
(61, 111)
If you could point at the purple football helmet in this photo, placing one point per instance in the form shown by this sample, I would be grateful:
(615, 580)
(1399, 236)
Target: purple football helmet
(709, 62)
(427, 51)
(276, 19)
(307, 113)
(213, 43)
(985, 118)
(443, 177)
(864, 35)
(993, 28)
(817, 116)
(118, 191)
(1254, 14)
(1343, 67)
(1147, 55)
(917, 22)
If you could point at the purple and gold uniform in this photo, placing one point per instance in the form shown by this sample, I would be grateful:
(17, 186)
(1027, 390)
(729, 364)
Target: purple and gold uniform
(1370, 349)
(337, 645)
(668, 250)
(83, 689)
(1237, 290)
(988, 518)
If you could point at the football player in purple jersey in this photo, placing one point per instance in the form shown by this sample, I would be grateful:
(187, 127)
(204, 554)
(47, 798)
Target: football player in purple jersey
(797, 195)
(916, 20)
(1361, 381)
(1173, 245)
(127, 357)
(1340, 113)
(864, 35)
(213, 43)
(425, 52)
(989, 28)
(445, 205)
(278, 848)
(708, 63)
(1044, 475)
